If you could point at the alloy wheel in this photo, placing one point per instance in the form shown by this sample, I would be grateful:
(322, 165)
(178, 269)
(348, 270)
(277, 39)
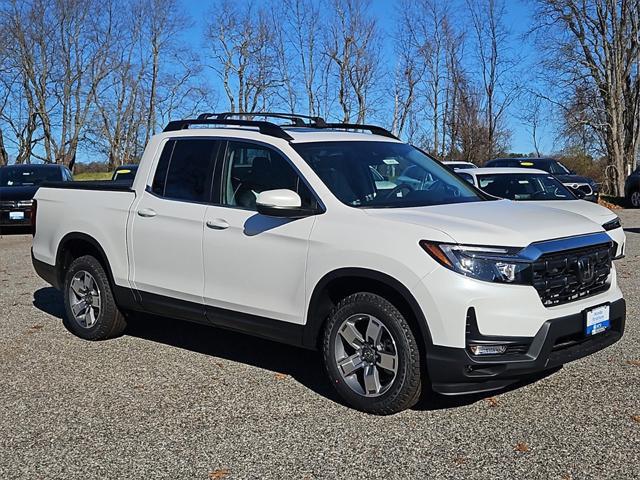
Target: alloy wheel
(635, 199)
(84, 299)
(366, 355)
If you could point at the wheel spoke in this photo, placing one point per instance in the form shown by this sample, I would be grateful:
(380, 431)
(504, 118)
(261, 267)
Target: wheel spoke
(95, 300)
(76, 286)
(78, 308)
(350, 365)
(90, 317)
(88, 282)
(374, 331)
(371, 380)
(388, 361)
(351, 335)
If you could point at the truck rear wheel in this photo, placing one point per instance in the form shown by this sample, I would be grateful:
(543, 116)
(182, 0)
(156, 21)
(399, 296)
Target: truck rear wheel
(371, 355)
(91, 310)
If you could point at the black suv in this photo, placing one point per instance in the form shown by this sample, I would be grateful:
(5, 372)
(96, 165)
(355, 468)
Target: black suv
(568, 177)
(632, 189)
(18, 185)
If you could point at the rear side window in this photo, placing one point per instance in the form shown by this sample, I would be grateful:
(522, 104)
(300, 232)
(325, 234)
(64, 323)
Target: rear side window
(184, 170)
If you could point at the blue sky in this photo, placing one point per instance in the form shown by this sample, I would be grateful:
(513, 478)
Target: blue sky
(518, 21)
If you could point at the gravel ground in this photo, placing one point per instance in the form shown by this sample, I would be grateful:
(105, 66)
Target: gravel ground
(176, 400)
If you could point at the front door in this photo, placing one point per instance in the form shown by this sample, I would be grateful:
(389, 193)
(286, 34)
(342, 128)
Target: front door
(253, 263)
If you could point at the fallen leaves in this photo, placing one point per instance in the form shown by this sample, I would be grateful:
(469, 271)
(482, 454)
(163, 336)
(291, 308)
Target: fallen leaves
(566, 476)
(492, 402)
(635, 418)
(521, 447)
(34, 329)
(219, 473)
(459, 459)
(280, 376)
(635, 363)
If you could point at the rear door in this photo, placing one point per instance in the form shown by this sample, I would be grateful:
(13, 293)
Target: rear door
(167, 226)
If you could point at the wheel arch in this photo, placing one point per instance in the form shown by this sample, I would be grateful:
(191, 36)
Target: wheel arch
(345, 281)
(77, 244)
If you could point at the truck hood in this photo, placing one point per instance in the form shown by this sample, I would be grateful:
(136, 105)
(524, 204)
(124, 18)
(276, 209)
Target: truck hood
(499, 222)
(18, 193)
(592, 211)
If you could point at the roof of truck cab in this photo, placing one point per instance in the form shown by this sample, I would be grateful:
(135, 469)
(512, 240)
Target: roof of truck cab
(299, 135)
(505, 171)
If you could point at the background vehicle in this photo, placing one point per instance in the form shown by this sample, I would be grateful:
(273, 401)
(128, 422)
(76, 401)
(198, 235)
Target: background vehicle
(460, 165)
(632, 189)
(527, 184)
(281, 231)
(125, 173)
(18, 185)
(568, 177)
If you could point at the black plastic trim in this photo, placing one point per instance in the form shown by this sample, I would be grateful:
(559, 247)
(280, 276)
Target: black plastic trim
(455, 371)
(109, 186)
(314, 322)
(45, 271)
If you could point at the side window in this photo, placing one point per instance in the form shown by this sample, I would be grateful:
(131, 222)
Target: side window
(252, 169)
(184, 169)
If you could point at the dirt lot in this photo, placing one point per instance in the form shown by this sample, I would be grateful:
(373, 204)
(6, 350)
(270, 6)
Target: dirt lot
(175, 400)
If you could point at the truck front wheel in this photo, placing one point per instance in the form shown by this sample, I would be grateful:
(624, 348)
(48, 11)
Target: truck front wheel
(91, 311)
(371, 355)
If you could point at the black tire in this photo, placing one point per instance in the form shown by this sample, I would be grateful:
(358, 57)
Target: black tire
(404, 390)
(109, 322)
(633, 194)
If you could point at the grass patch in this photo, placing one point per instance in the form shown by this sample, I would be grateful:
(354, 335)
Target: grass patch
(92, 176)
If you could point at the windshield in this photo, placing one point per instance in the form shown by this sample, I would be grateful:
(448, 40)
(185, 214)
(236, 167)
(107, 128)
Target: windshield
(524, 187)
(551, 166)
(384, 174)
(28, 176)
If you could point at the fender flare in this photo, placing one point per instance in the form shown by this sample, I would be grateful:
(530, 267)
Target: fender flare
(314, 323)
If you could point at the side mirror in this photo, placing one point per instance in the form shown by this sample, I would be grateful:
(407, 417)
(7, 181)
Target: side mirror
(282, 203)
(578, 193)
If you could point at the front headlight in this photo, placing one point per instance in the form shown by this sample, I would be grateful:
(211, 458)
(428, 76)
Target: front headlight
(612, 224)
(491, 264)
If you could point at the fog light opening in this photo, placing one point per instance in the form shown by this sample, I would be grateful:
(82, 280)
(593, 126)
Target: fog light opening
(488, 349)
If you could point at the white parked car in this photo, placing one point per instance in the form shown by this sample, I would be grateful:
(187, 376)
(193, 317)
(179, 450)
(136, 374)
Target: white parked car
(528, 184)
(460, 165)
(283, 232)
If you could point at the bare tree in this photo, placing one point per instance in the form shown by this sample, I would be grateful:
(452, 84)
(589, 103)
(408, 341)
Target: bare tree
(495, 68)
(352, 46)
(593, 47)
(242, 45)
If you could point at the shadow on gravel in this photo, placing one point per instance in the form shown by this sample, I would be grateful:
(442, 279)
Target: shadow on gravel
(304, 366)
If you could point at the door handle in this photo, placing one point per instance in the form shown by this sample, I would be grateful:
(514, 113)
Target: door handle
(218, 224)
(147, 212)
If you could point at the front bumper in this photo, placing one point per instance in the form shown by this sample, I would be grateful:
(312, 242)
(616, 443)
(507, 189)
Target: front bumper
(15, 217)
(560, 340)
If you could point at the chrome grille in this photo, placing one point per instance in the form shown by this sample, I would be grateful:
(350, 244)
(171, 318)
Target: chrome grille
(563, 277)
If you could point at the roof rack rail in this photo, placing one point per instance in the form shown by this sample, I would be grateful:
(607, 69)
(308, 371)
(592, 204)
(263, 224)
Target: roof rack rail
(375, 129)
(269, 128)
(297, 119)
(266, 128)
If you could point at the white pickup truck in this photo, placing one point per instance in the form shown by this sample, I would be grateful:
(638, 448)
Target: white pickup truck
(288, 233)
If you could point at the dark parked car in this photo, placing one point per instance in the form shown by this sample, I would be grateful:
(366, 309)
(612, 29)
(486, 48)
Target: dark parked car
(568, 177)
(125, 174)
(632, 189)
(18, 185)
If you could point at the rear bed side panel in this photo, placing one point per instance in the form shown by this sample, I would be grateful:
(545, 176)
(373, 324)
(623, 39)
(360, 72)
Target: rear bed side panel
(101, 215)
